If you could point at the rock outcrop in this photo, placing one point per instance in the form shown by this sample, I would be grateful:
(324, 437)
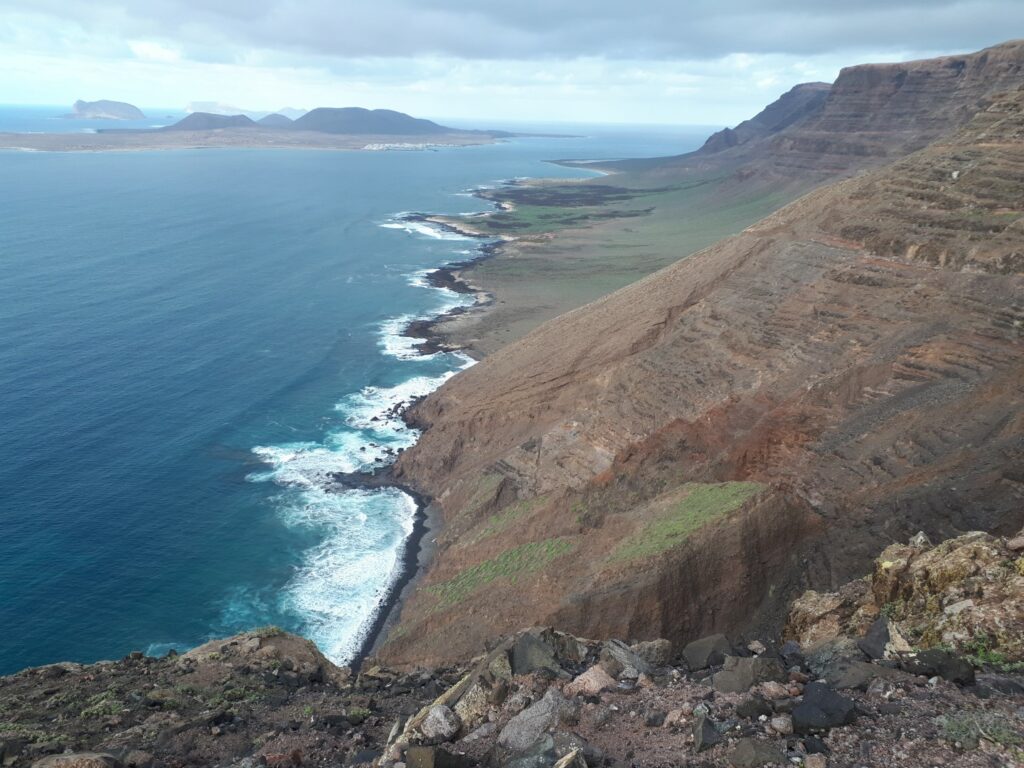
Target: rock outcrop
(966, 594)
(799, 103)
(682, 456)
(872, 114)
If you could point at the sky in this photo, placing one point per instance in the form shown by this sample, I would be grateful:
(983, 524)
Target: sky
(682, 62)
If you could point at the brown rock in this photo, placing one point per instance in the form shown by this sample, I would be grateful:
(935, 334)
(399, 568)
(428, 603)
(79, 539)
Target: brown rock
(591, 682)
(657, 653)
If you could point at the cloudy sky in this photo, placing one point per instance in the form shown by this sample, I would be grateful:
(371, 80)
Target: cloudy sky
(705, 62)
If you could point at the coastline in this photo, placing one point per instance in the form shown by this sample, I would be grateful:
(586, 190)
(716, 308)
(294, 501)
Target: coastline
(417, 552)
(450, 277)
(418, 548)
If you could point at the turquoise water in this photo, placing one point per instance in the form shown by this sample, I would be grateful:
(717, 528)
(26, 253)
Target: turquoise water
(190, 343)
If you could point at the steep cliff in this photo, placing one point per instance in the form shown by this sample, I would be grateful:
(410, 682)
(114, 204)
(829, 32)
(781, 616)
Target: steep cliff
(798, 103)
(683, 455)
(872, 114)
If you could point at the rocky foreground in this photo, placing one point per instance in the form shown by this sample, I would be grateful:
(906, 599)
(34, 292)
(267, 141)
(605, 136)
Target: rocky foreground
(931, 677)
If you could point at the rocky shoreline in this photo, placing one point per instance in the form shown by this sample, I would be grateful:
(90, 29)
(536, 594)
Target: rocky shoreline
(416, 553)
(450, 277)
(417, 549)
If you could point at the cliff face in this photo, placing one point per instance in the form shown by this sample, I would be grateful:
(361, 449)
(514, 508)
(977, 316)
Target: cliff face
(683, 455)
(887, 110)
(798, 103)
(872, 114)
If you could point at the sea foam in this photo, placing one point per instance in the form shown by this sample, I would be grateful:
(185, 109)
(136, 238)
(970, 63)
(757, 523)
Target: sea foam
(425, 228)
(340, 584)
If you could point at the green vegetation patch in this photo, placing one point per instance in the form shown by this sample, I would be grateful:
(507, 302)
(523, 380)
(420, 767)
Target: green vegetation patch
(703, 503)
(102, 705)
(984, 651)
(28, 733)
(533, 220)
(500, 521)
(510, 564)
(968, 728)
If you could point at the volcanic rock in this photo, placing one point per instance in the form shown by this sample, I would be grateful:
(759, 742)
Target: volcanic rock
(739, 674)
(523, 730)
(821, 709)
(750, 753)
(707, 652)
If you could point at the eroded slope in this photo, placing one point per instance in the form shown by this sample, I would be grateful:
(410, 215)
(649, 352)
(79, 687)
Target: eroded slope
(854, 362)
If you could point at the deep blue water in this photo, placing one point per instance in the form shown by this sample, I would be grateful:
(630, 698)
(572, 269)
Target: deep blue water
(190, 341)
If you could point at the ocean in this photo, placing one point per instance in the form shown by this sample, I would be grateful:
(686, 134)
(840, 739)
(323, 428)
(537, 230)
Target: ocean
(191, 343)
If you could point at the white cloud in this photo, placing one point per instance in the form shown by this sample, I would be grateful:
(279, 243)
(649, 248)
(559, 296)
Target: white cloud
(150, 51)
(670, 61)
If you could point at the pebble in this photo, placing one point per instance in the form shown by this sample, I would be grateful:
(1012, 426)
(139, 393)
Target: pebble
(674, 717)
(782, 724)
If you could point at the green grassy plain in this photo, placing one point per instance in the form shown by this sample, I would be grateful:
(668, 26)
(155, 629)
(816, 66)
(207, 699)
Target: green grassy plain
(566, 255)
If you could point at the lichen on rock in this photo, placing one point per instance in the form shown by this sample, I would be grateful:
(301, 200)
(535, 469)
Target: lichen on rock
(965, 594)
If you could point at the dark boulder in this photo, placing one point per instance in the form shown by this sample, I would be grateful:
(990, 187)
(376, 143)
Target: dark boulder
(873, 643)
(739, 674)
(707, 652)
(1006, 685)
(615, 653)
(753, 707)
(654, 718)
(530, 654)
(705, 735)
(815, 746)
(821, 709)
(791, 654)
(935, 662)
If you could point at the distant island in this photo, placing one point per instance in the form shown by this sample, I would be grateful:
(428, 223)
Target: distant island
(352, 128)
(105, 110)
(352, 121)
